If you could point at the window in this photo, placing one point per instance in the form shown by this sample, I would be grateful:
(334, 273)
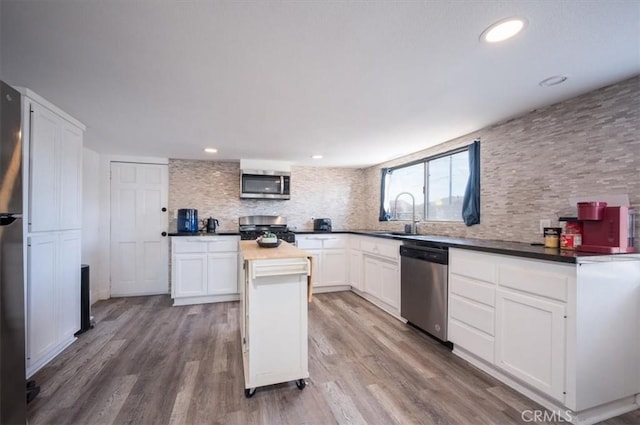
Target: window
(437, 185)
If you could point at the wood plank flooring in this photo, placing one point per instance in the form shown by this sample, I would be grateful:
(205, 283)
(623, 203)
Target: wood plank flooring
(147, 362)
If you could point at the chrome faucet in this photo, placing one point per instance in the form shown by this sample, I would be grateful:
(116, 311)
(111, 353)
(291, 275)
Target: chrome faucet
(414, 223)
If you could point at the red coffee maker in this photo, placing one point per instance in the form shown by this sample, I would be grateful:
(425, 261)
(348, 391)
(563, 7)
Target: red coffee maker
(607, 230)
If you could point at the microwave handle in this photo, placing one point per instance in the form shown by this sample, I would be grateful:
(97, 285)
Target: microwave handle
(281, 185)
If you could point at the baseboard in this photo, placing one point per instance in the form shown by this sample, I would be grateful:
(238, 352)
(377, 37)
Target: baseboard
(36, 366)
(205, 299)
(589, 416)
(137, 294)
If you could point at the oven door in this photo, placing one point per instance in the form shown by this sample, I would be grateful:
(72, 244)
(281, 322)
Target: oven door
(255, 184)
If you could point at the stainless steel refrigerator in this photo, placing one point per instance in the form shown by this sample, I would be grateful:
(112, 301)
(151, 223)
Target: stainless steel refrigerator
(12, 291)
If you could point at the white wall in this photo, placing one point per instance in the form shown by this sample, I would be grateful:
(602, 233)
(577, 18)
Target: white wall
(91, 241)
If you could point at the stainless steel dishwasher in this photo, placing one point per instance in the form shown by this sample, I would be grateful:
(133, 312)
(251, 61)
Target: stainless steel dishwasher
(424, 286)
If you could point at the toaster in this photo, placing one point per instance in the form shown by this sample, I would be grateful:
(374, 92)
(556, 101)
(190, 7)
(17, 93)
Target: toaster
(322, 224)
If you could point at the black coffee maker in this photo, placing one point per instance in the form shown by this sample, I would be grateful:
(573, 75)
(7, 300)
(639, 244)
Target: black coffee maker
(322, 225)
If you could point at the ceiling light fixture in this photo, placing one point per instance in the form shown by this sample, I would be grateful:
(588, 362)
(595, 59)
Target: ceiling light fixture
(503, 30)
(316, 156)
(211, 150)
(553, 81)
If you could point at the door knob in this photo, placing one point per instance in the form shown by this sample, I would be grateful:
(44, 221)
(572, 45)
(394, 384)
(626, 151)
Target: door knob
(164, 233)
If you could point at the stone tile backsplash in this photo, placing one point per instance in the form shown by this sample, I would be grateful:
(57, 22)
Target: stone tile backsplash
(530, 166)
(213, 188)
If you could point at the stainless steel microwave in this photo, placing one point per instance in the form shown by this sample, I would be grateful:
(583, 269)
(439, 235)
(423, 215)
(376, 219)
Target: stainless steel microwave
(265, 184)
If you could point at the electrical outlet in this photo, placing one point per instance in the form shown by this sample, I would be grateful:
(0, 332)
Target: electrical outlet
(544, 223)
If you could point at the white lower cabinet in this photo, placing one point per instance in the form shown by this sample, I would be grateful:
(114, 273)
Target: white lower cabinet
(355, 263)
(190, 275)
(204, 269)
(381, 273)
(530, 340)
(331, 263)
(53, 295)
(222, 273)
(554, 331)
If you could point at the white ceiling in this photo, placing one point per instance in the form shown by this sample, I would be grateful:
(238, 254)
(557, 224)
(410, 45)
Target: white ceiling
(359, 82)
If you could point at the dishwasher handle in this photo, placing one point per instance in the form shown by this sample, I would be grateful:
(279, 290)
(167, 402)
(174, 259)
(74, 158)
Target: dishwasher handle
(432, 255)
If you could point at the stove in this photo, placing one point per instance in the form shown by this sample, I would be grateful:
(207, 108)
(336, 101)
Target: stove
(253, 226)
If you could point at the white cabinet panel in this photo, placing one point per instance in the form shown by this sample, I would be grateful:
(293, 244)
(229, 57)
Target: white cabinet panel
(222, 269)
(44, 155)
(53, 295)
(476, 265)
(473, 314)
(390, 284)
(330, 259)
(334, 263)
(355, 269)
(372, 279)
(550, 281)
(472, 340)
(70, 200)
(41, 306)
(479, 291)
(530, 341)
(191, 275)
(204, 269)
(55, 171)
(68, 294)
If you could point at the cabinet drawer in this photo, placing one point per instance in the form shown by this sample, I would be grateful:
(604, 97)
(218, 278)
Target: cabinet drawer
(552, 282)
(180, 247)
(223, 245)
(309, 243)
(475, 290)
(472, 314)
(472, 340)
(335, 242)
(354, 243)
(388, 250)
(471, 264)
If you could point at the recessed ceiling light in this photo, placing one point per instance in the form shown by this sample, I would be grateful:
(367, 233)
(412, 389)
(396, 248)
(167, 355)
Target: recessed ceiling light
(211, 150)
(316, 156)
(503, 30)
(552, 81)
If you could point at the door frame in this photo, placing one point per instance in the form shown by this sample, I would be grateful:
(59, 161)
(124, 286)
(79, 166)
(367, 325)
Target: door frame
(104, 269)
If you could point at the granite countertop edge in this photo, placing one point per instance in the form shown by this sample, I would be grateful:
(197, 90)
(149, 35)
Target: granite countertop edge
(516, 249)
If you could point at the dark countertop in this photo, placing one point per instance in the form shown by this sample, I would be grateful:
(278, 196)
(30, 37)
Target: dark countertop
(517, 249)
(221, 233)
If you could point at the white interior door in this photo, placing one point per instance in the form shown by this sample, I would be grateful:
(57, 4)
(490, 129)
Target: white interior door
(139, 251)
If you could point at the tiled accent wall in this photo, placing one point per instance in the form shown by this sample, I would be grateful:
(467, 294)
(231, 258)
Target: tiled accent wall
(213, 188)
(532, 164)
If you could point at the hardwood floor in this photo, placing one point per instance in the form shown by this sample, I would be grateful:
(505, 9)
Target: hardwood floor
(147, 362)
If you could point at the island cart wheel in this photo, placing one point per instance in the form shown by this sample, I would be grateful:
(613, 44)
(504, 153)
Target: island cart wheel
(301, 384)
(249, 392)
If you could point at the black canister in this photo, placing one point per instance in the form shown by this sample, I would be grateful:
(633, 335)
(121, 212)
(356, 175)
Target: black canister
(188, 220)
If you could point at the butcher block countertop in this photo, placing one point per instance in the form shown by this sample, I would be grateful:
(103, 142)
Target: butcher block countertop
(252, 251)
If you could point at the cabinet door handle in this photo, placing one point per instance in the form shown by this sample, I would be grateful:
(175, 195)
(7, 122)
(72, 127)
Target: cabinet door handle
(164, 234)
(164, 209)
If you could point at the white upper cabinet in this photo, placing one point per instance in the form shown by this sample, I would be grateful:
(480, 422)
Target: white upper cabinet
(70, 199)
(44, 151)
(55, 168)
